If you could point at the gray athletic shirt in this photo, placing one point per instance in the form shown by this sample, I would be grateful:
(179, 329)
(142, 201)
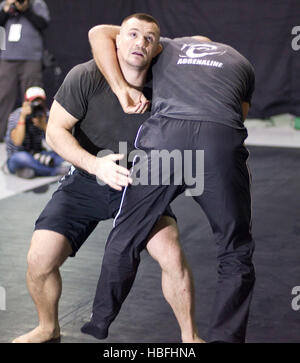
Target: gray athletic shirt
(197, 80)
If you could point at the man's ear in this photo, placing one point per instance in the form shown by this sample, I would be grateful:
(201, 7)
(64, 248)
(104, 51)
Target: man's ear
(117, 40)
(158, 50)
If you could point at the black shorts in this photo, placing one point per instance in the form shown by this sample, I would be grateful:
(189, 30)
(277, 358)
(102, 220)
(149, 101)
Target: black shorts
(78, 205)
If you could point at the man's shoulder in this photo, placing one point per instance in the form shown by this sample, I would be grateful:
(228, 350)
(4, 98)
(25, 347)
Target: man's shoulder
(165, 41)
(177, 43)
(88, 67)
(85, 73)
(182, 39)
(16, 112)
(80, 85)
(238, 58)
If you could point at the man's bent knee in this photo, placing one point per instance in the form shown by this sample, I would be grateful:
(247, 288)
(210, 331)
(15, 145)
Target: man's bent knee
(47, 252)
(164, 245)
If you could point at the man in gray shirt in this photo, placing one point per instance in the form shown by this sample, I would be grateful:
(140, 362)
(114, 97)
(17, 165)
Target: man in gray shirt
(20, 62)
(201, 95)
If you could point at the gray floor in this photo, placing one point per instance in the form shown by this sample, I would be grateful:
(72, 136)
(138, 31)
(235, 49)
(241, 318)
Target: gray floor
(19, 209)
(278, 131)
(16, 229)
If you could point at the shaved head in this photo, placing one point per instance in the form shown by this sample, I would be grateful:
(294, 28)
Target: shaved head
(142, 16)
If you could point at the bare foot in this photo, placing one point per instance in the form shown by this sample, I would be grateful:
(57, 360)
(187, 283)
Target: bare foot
(199, 340)
(195, 339)
(38, 335)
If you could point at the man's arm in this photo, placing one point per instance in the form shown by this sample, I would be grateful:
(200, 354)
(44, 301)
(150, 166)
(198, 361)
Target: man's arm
(17, 134)
(104, 37)
(4, 8)
(27, 9)
(37, 21)
(245, 109)
(60, 139)
(246, 98)
(3, 17)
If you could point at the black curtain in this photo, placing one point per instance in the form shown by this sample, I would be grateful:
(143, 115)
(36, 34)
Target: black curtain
(260, 29)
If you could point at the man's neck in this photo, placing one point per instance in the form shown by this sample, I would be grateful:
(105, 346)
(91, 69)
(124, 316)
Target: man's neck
(135, 77)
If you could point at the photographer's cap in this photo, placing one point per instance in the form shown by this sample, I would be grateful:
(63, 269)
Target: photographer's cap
(35, 92)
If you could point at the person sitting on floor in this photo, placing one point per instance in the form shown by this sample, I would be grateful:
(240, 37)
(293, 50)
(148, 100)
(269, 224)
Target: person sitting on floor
(26, 156)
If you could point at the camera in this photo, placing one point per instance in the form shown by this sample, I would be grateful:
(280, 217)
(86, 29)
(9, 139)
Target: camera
(44, 159)
(13, 9)
(37, 109)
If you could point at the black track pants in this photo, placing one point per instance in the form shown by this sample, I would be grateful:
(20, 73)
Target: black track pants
(226, 202)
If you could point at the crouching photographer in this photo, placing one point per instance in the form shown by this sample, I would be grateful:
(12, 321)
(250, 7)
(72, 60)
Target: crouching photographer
(25, 137)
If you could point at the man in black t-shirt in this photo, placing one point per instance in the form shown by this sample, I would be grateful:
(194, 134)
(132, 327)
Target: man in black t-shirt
(201, 95)
(86, 105)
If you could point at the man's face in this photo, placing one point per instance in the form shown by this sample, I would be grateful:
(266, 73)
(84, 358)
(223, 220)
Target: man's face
(138, 42)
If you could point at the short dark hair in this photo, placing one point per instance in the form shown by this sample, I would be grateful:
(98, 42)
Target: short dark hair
(142, 16)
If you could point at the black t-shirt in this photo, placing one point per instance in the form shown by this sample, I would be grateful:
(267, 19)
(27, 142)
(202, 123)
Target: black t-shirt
(102, 124)
(197, 80)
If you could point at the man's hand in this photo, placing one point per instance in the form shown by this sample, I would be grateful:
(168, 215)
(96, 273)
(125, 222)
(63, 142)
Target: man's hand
(109, 172)
(22, 7)
(7, 5)
(26, 109)
(132, 100)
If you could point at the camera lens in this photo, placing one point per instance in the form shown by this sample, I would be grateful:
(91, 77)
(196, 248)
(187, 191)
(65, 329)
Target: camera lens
(44, 159)
(37, 109)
